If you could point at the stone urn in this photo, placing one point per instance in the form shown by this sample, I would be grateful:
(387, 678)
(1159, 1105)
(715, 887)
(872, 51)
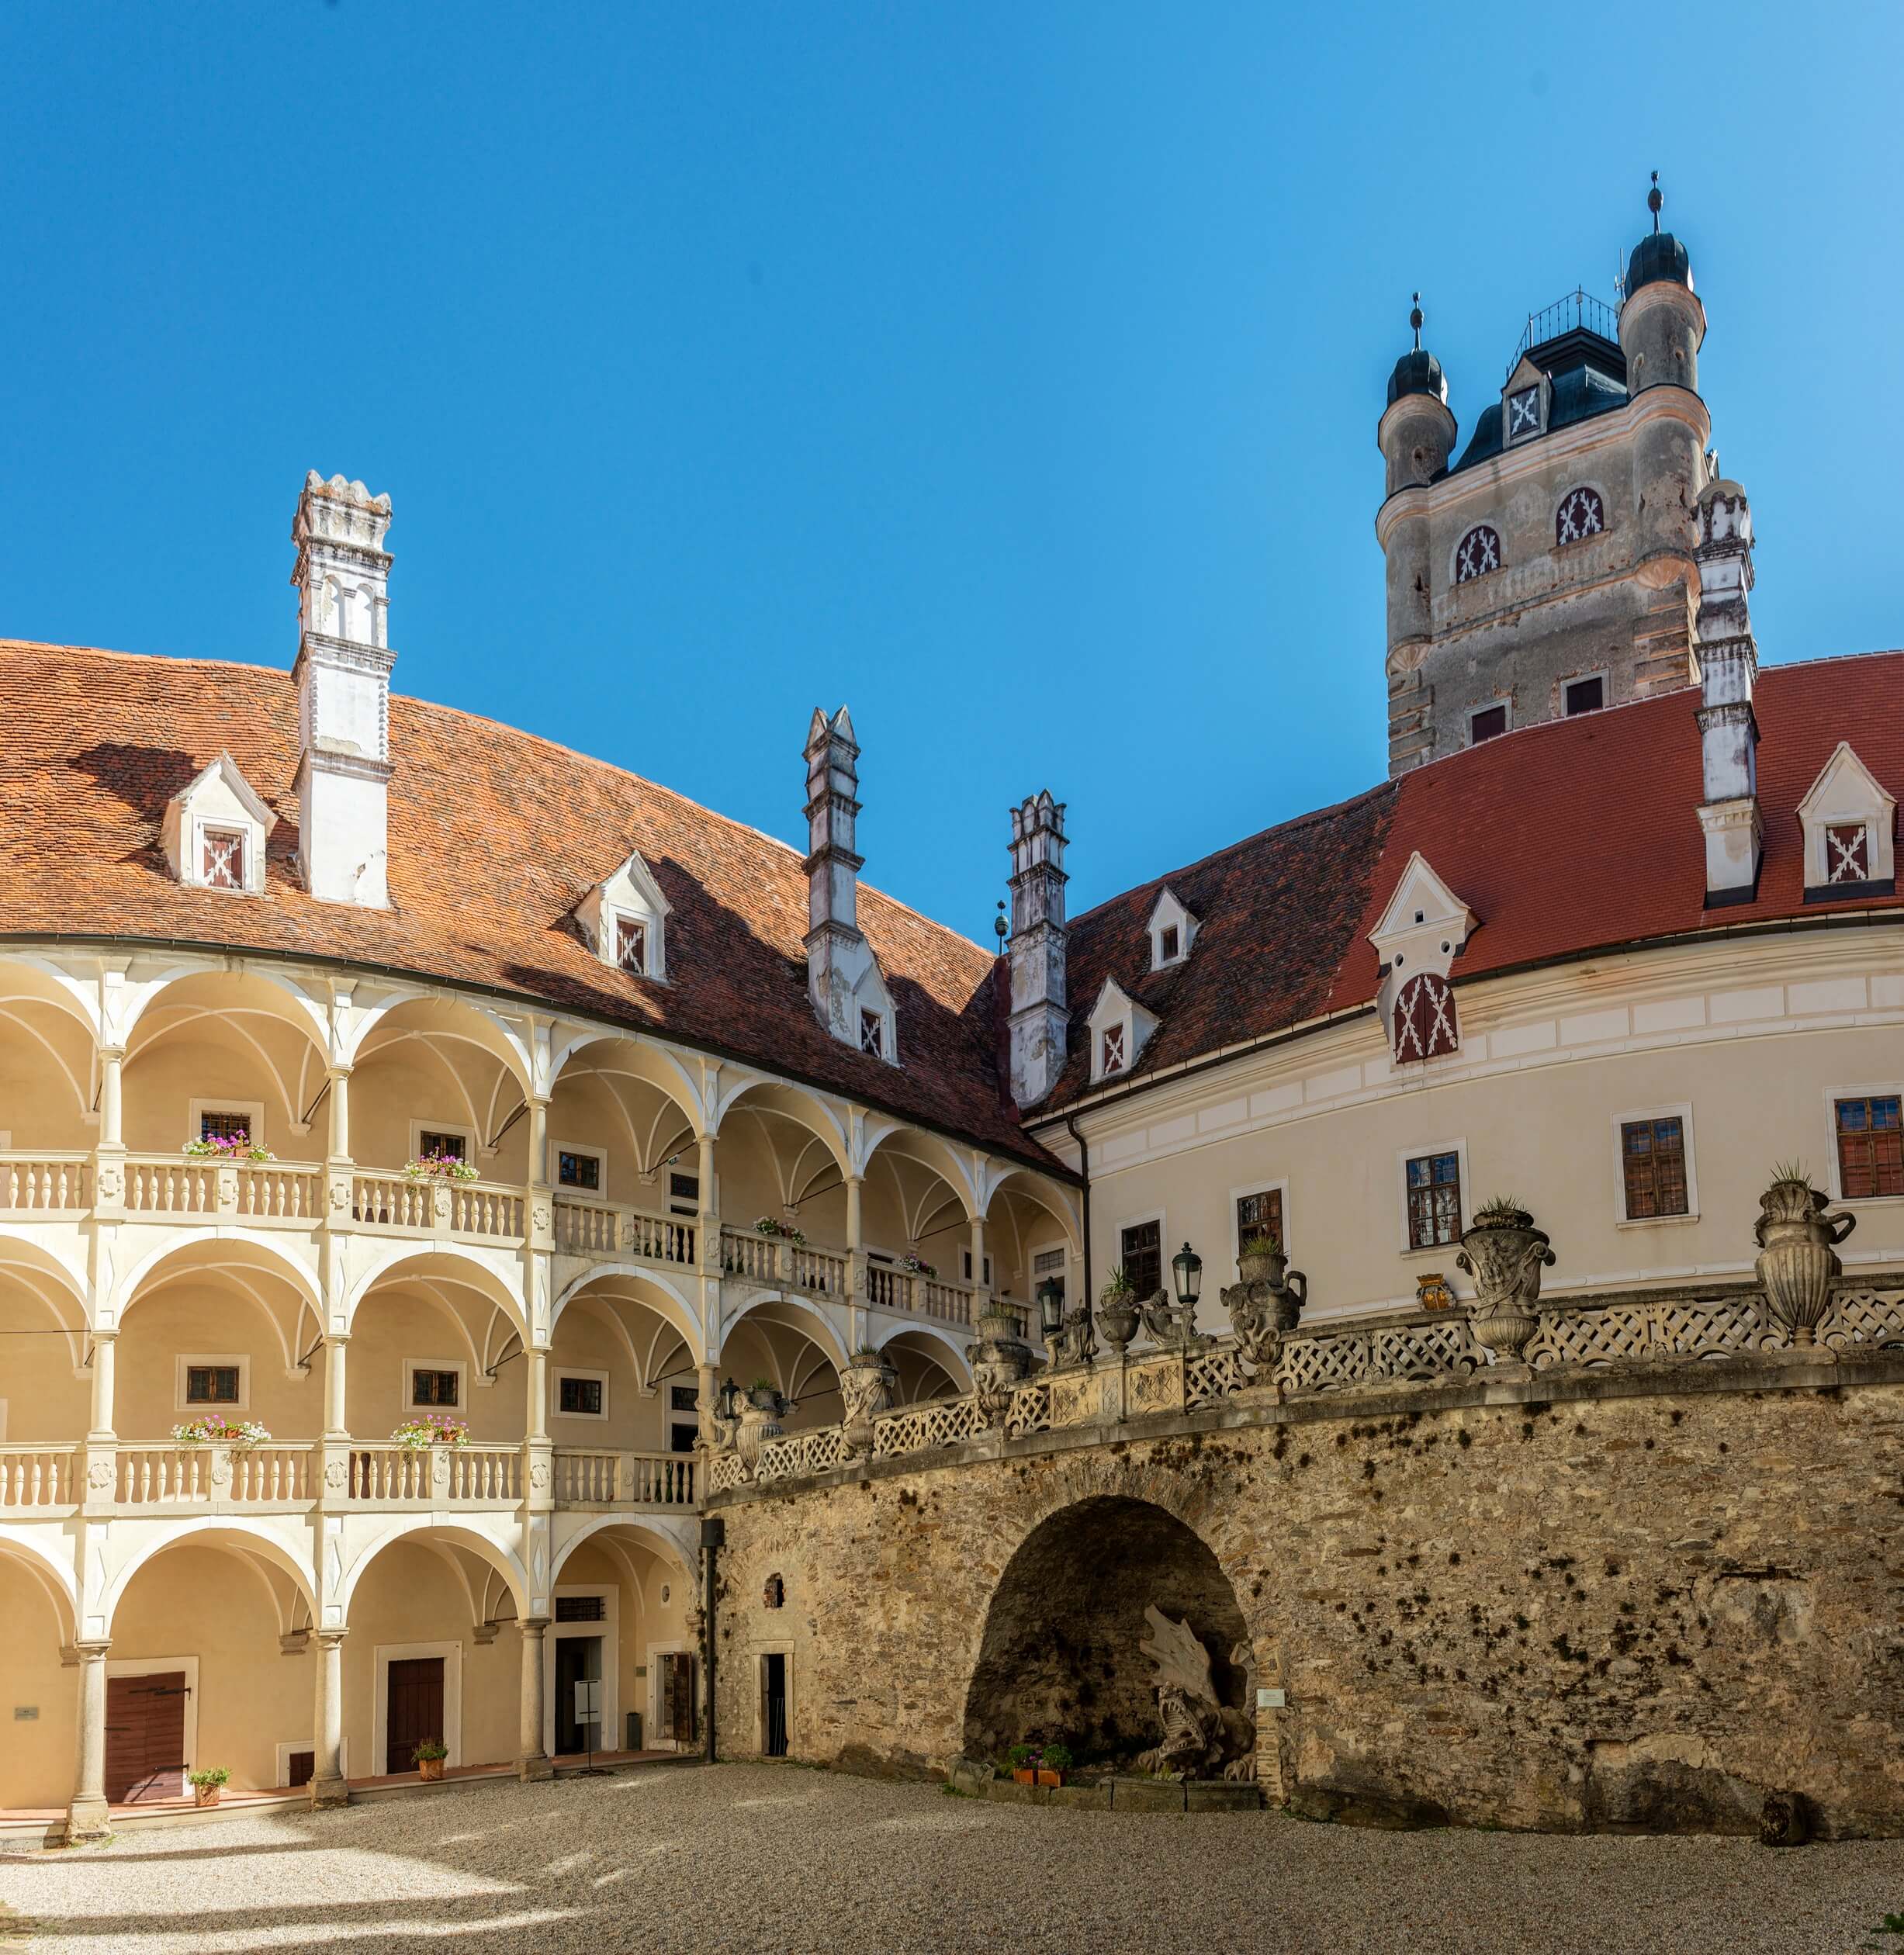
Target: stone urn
(1266, 1306)
(762, 1409)
(868, 1387)
(1505, 1253)
(1117, 1319)
(999, 1358)
(1797, 1261)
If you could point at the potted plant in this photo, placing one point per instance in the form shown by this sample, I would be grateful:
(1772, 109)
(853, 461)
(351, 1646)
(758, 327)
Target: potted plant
(1505, 1254)
(915, 1265)
(1117, 1309)
(787, 1231)
(1797, 1261)
(207, 1783)
(211, 1429)
(227, 1146)
(428, 1758)
(432, 1429)
(1038, 1764)
(439, 1166)
(1262, 1259)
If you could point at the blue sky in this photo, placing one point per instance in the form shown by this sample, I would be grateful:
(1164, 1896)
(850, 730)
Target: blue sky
(1010, 372)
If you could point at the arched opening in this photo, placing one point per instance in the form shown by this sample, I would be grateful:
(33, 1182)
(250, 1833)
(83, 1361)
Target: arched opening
(1061, 1660)
(434, 1075)
(621, 1128)
(623, 1596)
(436, 1333)
(930, 1364)
(622, 1365)
(35, 1619)
(787, 1343)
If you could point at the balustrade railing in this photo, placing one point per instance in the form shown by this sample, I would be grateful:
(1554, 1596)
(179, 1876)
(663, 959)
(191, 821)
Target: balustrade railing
(606, 1229)
(479, 1208)
(45, 1184)
(37, 1476)
(587, 1477)
(393, 1475)
(164, 1185)
(173, 1476)
(745, 1254)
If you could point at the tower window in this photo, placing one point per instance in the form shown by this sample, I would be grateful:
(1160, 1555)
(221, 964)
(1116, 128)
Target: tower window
(1479, 553)
(1581, 515)
(224, 858)
(1585, 695)
(1486, 724)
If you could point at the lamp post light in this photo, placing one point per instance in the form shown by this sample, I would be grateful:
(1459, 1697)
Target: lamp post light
(1188, 1267)
(1176, 1323)
(1052, 1317)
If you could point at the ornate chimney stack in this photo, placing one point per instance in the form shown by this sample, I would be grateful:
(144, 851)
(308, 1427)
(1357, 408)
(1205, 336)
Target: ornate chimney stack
(1728, 663)
(837, 953)
(1039, 1016)
(343, 674)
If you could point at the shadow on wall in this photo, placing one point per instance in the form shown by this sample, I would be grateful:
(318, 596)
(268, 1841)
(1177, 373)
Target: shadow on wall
(1060, 1661)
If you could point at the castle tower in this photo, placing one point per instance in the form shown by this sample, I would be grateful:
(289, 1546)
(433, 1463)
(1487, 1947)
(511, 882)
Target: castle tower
(1547, 569)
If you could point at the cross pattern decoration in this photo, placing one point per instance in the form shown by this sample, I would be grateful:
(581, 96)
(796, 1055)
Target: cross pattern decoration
(1425, 1023)
(1479, 554)
(1114, 1049)
(1582, 514)
(1523, 413)
(1846, 859)
(224, 859)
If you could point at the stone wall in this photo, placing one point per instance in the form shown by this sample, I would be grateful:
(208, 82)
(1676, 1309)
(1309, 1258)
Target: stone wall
(1639, 1596)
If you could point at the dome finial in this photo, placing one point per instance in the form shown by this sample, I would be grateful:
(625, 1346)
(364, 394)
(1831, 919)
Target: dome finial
(1414, 321)
(1655, 198)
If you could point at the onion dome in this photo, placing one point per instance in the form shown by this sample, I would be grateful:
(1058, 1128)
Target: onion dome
(1660, 256)
(1417, 371)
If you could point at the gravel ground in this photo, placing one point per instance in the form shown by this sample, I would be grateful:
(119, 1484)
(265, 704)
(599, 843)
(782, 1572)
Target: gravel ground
(779, 1858)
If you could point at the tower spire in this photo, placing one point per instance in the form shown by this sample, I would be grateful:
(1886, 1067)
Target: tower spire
(1414, 321)
(1656, 197)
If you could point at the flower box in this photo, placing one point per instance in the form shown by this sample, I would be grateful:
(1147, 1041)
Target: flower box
(1037, 1775)
(215, 1432)
(437, 1429)
(227, 1146)
(438, 1167)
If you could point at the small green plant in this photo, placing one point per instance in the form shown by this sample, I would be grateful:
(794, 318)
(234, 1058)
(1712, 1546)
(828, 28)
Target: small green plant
(430, 1748)
(1499, 1210)
(1891, 1927)
(1056, 1758)
(1020, 1757)
(1794, 1171)
(762, 1385)
(209, 1775)
(1117, 1283)
(1264, 1243)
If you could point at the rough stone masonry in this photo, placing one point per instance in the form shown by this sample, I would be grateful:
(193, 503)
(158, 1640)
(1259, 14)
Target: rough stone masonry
(1645, 1599)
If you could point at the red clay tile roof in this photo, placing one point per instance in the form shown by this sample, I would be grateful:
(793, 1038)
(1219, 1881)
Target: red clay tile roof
(495, 836)
(1565, 838)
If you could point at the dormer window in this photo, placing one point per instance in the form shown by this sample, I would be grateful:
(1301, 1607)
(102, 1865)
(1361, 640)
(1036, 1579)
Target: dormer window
(873, 1033)
(1111, 1052)
(1479, 554)
(624, 921)
(1848, 822)
(1172, 930)
(223, 863)
(1120, 1028)
(215, 829)
(1167, 951)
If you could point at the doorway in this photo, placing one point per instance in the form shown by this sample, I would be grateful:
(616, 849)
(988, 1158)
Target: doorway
(676, 1698)
(578, 1660)
(414, 1713)
(773, 1703)
(145, 1737)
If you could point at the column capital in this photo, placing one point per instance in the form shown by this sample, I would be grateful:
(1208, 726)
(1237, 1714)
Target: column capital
(90, 1648)
(330, 1637)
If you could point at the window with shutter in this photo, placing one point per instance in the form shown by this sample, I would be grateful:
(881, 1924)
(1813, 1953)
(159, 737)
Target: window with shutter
(631, 946)
(1490, 723)
(224, 858)
(1871, 1147)
(212, 1384)
(1848, 852)
(1112, 1055)
(1652, 1156)
(1257, 1215)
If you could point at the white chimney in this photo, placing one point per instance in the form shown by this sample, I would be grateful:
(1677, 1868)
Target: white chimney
(843, 975)
(1728, 663)
(343, 674)
(1039, 1020)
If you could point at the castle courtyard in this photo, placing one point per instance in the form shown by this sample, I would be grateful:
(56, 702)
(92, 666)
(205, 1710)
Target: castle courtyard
(683, 1858)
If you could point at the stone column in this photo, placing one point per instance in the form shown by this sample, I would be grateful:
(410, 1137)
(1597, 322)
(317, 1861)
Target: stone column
(709, 1220)
(978, 1253)
(86, 1816)
(335, 1425)
(535, 1417)
(340, 1113)
(328, 1786)
(112, 1117)
(856, 1262)
(104, 1345)
(538, 1141)
(535, 1763)
(706, 1390)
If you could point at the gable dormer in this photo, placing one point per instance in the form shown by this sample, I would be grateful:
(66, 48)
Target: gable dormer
(1173, 929)
(1526, 402)
(1119, 1029)
(1421, 933)
(215, 830)
(624, 921)
(1849, 824)
(872, 1014)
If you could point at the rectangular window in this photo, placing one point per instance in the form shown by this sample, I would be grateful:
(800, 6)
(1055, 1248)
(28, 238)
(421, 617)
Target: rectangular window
(581, 1608)
(681, 1437)
(1259, 1215)
(684, 1398)
(224, 858)
(1847, 857)
(1434, 1200)
(1488, 723)
(580, 1396)
(1586, 696)
(575, 1169)
(1870, 1148)
(438, 1388)
(631, 946)
(969, 1269)
(452, 1144)
(873, 1034)
(1047, 1266)
(684, 1194)
(212, 1384)
(1112, 1050)
(1653, 1159)
(1167, 948)
(1141, 1248)
(224, 1126)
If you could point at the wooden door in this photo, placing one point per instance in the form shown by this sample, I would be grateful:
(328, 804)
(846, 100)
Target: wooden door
(145, 1737)
(413, 1709)
(677, 1697)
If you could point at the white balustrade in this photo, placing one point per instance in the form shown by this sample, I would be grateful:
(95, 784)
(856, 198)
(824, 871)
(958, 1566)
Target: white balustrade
(37, 1476)
(887, 1288)
(745, 1254)
(160, 1475)
(586, 1476)
(822, 1271)
(587, 1229)
(477, 1209)
(391, 1202)
(275, 1191)
(45, 1183)
(393, 1475)
(661, 1238)
(164, 1185)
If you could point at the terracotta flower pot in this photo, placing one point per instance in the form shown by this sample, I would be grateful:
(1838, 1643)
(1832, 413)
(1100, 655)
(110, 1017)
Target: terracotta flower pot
(430, 1768)
(206, 1795)
(1037, 1775)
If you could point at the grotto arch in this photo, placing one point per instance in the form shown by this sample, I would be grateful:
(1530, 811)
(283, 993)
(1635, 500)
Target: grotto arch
(1060, 1660)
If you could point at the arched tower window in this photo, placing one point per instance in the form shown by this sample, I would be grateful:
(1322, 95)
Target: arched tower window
(1580, 513)
(1479, 553)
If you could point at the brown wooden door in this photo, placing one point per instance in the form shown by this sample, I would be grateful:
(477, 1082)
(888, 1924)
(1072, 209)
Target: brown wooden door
(678, 1697)
(414, 1709)
(145, 1737)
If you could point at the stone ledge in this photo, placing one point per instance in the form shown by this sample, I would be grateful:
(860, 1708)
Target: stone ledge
(1752, 1374)
(1123, 1794)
